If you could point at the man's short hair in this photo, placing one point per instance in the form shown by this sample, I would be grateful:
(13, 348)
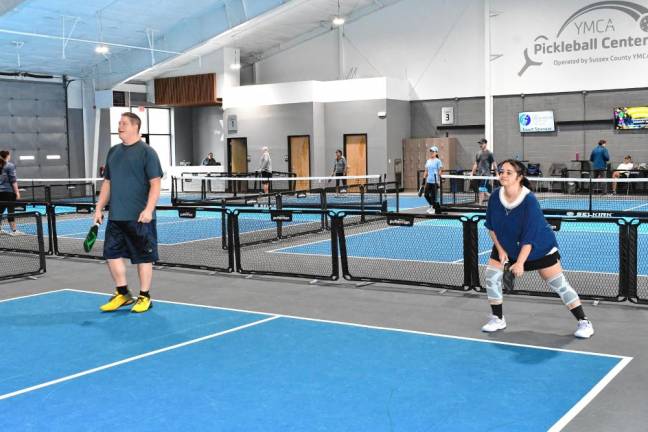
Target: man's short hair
(627, 157)
(134, 118)
(601, 142)
(338, 151)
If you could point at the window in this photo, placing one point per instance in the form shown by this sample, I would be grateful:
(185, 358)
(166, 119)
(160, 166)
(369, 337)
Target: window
(155, 130)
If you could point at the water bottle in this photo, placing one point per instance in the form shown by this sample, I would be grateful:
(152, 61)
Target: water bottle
(577, 156)
(517, 156)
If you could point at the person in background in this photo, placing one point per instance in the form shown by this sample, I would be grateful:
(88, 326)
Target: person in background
(523, 239)
(484, 163)
(265, 167)
(131, 187)
(339, 170)
(623, 170)
(9, 191)
(433, 168)
(599, 158)
(209, 160)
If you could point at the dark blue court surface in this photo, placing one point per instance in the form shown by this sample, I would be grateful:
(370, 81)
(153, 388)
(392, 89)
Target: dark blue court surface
(442, 241)
(270, 373)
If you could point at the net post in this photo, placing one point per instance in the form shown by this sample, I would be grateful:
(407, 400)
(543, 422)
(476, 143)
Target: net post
(336, 221)
(173, 190)
(230, 238)
(628, 261)
(471, 262)
(236, 239)
(344, 261)
(41, 242)
(362, 203)
(53, 235)
(591, 186)
(279, 223)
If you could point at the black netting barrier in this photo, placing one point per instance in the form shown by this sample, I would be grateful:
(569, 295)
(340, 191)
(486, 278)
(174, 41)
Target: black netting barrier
(590, 257)
(285, 242)
(400, 248)
(23, 250)
(557, 195)
(188, 237)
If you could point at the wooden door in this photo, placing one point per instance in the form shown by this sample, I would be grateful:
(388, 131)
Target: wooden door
(299, 159)
(355, 151)
(237, 162)
(238, 156)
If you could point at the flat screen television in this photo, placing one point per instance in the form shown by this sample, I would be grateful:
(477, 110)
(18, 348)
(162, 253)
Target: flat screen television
(631, 118)
(536, 121)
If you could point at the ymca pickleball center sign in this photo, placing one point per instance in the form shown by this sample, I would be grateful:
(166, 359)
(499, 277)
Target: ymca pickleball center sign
(599, 33)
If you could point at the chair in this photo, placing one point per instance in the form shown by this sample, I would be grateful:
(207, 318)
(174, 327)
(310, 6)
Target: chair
(533, 170)
(558, 170)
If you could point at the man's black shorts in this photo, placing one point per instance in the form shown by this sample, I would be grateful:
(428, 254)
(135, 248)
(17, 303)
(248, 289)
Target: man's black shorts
(539, 264)
(265, 175)
(131, 239)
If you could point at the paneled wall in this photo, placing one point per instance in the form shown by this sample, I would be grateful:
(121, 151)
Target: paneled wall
(581, 120)
(33, 125)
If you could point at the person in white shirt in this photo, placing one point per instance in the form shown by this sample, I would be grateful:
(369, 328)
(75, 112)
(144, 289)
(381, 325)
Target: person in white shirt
(623, 170)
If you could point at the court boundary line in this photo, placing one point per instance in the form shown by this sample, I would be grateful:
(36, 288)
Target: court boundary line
(137, 357)
(559, 425)
(394, 329)
(590, 395)
(31, 295)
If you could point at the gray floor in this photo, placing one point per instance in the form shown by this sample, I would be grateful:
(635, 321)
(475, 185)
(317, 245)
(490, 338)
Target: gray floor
(620, 329)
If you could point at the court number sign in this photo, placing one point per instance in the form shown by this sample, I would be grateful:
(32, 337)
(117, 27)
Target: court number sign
(447, 115)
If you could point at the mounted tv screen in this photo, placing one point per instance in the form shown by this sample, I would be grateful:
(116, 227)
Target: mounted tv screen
(631, 118)
(536, 121)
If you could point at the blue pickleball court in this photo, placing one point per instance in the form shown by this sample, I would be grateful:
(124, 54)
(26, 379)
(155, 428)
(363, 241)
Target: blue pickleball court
(66, 366)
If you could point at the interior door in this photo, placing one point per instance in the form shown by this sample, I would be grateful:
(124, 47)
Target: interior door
(237, 160)
(299, 159)
(355, 151)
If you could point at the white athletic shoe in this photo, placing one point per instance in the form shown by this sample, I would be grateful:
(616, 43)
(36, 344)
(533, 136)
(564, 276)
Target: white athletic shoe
(494, 323)
(585, 329)
(3, 232)
(431, 210)
(16, 233)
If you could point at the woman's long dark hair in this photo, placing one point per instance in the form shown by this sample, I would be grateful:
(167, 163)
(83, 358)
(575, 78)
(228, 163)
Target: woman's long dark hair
(3, 158)
(520, 169)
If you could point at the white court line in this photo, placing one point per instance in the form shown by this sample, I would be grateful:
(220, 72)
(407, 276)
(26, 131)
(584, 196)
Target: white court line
(394, 329)
(480, 253)
(31, 295)
(636, 207)
(589, 396)
(137, 357)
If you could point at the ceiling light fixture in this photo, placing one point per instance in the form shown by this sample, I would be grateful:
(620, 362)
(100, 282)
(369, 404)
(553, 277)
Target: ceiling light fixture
(237, 60)
(102, 49)
(338, 20)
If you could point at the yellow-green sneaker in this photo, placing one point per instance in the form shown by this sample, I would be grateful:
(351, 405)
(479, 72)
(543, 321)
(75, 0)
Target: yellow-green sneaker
(142, 304)
(117, 301)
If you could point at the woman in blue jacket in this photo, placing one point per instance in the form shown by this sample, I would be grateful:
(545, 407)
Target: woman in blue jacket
(523, 238)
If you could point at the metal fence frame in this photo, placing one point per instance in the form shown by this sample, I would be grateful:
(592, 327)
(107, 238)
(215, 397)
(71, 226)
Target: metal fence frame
(40, 252)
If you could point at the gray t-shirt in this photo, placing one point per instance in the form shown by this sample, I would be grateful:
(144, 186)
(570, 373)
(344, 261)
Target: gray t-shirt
(129, 169)
(340, 165)
(266, 162)
(484, 161)
(7, 177)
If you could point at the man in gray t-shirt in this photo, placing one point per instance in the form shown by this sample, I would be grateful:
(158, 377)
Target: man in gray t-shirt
(339, 170)
(484, 163)
(132, 187)
(265, 167)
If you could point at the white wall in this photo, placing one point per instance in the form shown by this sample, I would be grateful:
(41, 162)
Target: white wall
(438, 46)
(435, 44)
